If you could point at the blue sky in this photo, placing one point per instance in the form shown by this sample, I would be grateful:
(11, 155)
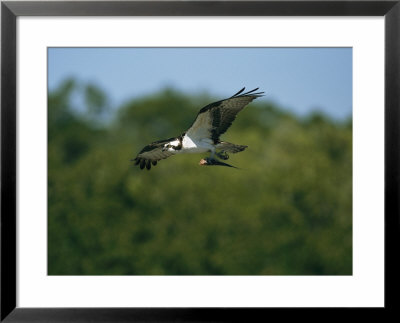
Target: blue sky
(298, 79)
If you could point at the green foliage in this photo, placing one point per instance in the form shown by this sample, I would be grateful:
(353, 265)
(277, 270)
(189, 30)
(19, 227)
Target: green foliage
(287, 210)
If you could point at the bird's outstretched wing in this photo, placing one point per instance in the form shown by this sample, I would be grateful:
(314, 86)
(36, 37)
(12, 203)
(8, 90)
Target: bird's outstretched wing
(214, 119)
(152, 153)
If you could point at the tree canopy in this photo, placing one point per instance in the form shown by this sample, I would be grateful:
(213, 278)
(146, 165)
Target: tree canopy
(287, 210)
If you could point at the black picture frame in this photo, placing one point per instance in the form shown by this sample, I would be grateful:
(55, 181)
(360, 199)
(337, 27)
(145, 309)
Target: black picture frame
(10, 10)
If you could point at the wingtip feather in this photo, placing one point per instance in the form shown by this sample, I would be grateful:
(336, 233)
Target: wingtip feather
(238, 92)
(248, 93)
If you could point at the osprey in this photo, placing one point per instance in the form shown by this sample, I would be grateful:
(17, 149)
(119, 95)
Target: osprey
(203, 136)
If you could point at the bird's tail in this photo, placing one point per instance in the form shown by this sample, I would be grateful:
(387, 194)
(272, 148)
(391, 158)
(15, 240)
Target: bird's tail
(213, 162)
(230, 148)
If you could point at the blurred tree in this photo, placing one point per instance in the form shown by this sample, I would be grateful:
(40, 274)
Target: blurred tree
(97, 104)
(287, 211)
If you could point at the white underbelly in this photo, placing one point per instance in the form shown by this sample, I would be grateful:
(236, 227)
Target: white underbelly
(190, 146)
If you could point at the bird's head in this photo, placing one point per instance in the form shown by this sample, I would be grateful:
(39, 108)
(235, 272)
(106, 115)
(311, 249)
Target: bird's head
(171, 146)
(166, 147)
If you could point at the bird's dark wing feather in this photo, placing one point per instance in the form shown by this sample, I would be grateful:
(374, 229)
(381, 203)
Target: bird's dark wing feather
(214, 119)
(152, 153)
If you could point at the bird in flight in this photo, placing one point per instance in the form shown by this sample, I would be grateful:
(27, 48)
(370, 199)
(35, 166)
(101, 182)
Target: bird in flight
(203, 136)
